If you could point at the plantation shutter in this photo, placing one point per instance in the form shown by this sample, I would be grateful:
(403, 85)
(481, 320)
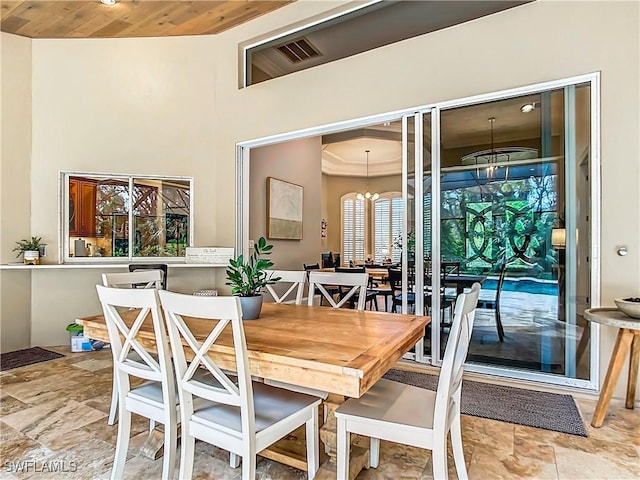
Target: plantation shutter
(382, 223)
(397, 209)
(427, 224)
(353, 231)
(388, 212)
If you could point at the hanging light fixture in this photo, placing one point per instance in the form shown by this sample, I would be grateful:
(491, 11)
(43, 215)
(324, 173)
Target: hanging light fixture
(492, 159)
(368, 195)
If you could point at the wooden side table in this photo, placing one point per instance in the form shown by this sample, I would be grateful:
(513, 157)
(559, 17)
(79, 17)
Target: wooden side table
(628, 339)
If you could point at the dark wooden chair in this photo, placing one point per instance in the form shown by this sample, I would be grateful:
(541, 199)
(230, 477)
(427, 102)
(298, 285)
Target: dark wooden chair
(395, 284)
(495, 304)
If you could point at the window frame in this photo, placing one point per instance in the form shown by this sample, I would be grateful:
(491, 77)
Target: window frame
(63, 217)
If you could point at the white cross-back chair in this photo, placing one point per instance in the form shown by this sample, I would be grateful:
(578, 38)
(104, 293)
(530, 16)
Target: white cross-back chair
(144, 279)
(140, 279)
(414, 416)
(156, 398)
(296, 278)
(357, 281)
(240, 416)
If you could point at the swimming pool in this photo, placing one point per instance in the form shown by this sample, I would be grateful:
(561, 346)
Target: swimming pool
(523, 285)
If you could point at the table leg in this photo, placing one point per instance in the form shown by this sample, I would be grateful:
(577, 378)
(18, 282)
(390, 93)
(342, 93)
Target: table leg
(623, 341)
(153, 446)
(359, 458)
(634, 362)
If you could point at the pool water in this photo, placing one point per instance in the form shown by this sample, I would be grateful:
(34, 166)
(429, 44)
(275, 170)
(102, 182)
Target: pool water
(522, 285)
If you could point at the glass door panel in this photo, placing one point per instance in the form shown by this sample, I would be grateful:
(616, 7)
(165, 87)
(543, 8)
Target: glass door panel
(511, 183)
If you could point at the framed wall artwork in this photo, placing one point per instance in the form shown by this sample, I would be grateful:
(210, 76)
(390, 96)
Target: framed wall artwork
(284, 210)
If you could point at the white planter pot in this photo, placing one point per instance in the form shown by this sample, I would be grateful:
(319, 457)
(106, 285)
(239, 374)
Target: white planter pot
(31, 257)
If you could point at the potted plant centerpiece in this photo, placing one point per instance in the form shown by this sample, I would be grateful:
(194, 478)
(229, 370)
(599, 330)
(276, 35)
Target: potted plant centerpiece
(248, 277)
(30, 250)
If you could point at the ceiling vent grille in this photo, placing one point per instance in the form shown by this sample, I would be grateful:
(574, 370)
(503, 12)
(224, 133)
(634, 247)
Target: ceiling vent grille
(298, 50)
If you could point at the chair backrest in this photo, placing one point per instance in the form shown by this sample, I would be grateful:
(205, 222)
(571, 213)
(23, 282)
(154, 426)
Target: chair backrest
(450, 380)
(395, 280)
(312, 266)
(163, 267)
(297, 279)
(357, 282)
(223, 311)
(370, 284)
(143, 279)
(122, 336)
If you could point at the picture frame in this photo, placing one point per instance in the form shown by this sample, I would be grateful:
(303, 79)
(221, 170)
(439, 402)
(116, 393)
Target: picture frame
(284, 209)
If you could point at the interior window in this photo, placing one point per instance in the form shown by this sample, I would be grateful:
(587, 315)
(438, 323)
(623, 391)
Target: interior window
(353, 228)
(127, 216)
(387, 238)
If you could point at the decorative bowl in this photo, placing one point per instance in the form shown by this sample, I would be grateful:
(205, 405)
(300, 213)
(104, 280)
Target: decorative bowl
(629, 305)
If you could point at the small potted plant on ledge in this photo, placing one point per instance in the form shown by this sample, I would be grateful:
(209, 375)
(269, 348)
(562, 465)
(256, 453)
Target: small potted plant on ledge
(248, 277)
(30, 250)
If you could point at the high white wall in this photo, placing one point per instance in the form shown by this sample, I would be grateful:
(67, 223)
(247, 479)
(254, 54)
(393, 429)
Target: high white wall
(15, 188)
(296, 162)
(172, 106)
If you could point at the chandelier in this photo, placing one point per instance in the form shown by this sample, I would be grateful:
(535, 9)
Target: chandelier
(368, 195)
(493, 158)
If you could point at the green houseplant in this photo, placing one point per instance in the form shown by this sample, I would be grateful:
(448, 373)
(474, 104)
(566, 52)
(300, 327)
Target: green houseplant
(30, 250)
(247, 277)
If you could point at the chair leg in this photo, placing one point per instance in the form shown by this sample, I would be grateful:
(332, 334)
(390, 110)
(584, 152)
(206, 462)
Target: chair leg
(122, 444)
(499, 325)
(374, 452)
(439, 458)
(458, 451)
(234, 460)
(343, 442)
(187, 444)
(170, 447)
(313, 455)
(248, 466)
(114, 401)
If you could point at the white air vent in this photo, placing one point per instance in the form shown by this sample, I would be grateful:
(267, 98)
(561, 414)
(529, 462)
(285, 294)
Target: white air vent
(298, 50)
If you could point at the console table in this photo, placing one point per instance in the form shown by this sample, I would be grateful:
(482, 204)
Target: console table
(628, 339)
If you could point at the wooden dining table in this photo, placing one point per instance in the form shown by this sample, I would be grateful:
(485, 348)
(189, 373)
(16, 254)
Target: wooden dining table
(339, 351)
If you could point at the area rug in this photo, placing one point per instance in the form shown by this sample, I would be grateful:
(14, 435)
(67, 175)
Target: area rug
(550, 411)
(28, 356)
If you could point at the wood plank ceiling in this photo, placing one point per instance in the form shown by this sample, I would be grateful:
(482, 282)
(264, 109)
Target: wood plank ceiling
(137, 18)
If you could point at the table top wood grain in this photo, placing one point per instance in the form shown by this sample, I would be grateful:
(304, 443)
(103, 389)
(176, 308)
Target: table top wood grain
(340, 351)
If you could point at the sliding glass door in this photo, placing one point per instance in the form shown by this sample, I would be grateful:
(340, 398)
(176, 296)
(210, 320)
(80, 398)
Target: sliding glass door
(514, 202)
(497, 189)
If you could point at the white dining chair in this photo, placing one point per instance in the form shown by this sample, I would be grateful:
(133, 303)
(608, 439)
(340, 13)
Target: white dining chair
(154, 399)
(414, 416)
(238, 415)
(296, 280)
(143, 279)
(357, 281)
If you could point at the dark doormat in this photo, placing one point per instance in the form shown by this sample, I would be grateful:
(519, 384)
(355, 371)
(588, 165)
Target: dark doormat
(550, 411)
(28, 356)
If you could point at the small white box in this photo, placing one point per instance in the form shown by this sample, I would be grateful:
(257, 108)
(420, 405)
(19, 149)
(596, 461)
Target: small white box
(217, 255)
(80, 343)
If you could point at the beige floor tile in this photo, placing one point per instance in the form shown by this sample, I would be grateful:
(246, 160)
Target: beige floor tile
(47, 421)
(573, 464)
(56, 412)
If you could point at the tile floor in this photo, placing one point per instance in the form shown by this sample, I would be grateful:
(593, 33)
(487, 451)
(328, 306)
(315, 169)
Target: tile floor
(53, 414)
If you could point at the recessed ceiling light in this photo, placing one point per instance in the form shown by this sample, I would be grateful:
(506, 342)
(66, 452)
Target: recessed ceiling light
(529, 107)
(108, 2)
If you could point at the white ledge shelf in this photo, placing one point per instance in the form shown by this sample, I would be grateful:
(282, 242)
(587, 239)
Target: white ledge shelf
(21, 266)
